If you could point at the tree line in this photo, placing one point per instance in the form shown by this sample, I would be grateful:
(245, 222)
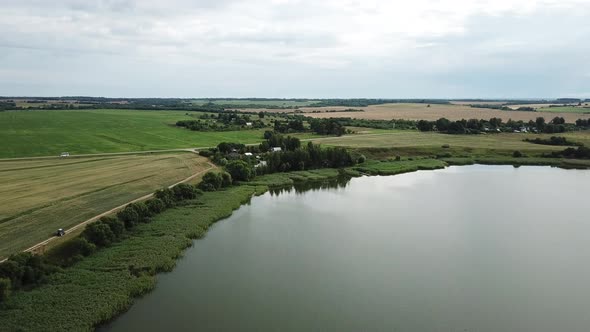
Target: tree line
(25, 270)
(553, 140)
(475, 126)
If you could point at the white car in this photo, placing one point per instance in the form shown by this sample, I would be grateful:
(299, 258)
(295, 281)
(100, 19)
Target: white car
(64, 154)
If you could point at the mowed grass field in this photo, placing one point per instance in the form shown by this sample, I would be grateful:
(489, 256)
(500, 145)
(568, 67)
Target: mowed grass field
(47, 133)
(566, 109)
(39, 196)
(415, 111)
(409, 140)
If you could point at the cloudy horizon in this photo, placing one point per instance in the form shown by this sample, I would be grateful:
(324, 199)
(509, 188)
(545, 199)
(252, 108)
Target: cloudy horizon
(296, 48)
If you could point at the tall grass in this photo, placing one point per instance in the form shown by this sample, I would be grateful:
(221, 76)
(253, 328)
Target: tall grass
(103, 285)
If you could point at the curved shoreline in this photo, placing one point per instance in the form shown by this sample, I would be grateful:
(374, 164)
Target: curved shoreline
(104, 285)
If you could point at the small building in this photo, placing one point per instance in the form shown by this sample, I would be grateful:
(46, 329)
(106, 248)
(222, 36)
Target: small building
(248, 124)
(276, 149)
(248, 154)
(262, 163)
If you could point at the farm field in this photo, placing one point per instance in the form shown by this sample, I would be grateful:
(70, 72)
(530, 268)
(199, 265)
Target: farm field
(566, 109)
(270, 102)
(48, 133)
(435, 111)
(423, 112)
(416, 139)
(39, 196)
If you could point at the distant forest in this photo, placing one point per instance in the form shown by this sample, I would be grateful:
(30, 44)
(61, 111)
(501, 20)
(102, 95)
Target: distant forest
(220, 104)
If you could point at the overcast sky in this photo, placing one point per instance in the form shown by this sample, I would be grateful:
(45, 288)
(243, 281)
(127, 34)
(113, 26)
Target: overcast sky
(296, 48)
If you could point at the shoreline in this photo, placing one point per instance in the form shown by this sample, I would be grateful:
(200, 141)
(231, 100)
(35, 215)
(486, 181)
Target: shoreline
(101, 287)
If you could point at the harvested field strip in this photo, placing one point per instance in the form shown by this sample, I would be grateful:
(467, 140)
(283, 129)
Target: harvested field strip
(66, 199)
(54, 165)
(56, 193)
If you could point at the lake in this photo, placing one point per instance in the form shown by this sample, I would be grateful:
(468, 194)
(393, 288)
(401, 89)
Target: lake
(473, 248)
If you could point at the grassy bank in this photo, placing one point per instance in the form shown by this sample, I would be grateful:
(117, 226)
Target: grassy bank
(105, 284)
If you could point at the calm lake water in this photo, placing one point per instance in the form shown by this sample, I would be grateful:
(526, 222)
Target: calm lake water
(475, 248)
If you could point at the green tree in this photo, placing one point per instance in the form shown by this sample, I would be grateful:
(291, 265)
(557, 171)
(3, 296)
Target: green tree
(117, 226)
(5, 288)
(184, 191)
(166, 195)
(226, 179)
(99, 233)
(424, 125)
(540, 123)
(211, 181)
(239, 170)
(443, 124)
(129, 216)
(155, 206)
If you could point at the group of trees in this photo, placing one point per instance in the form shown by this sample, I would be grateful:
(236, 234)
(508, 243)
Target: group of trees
(581, 152)
(308, 157)
(22, 271)
(289, 126)
(318, 126)
(25, 270)
(554, 140)
(213, 181)
(293, 156)
(327, 127)
(273, 140)
(475, 126)
(221, 121)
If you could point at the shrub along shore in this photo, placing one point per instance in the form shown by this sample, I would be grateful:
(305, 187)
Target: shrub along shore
(92, 279)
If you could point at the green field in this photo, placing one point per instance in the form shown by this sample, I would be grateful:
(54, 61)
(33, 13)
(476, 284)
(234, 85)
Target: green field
(47, 133)
(267, 103)
(413, 139)
(565, 109)
(39, 196)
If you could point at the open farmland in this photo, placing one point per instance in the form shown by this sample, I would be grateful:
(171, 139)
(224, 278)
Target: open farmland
(436, 111)
(405, 139)
(261, 102)
(47, 133)
(566, 109)
(41, 195)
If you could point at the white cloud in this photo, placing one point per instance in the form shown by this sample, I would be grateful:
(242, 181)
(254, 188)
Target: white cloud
(381, 40)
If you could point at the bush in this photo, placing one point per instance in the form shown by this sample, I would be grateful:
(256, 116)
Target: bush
(361, 159)
(445, 146)
(24, 269)
(206, 153)
(13, 271)
(99, 233)
(5, 287)
(155, 206)
(226, 179)
(517, 154)
(166, 195)
(117, 226)
(70, 252)
(129, 216)
(211, 181)
(239, 170)
(184, 191)
(142, 211)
